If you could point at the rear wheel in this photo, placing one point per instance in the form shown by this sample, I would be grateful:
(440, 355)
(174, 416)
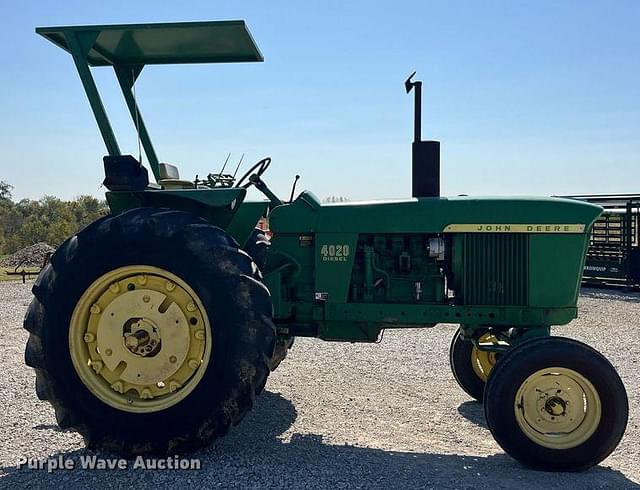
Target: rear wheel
(283, 344)
(556, 404)
(470, 365)
(140, 338)
(143, 318)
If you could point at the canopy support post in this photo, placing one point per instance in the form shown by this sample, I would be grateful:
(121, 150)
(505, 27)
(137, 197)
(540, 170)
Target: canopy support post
(79, 45)
(127, 76)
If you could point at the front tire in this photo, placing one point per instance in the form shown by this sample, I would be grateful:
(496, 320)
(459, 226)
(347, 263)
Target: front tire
(556, 404)
(149, 333)
(471, 366)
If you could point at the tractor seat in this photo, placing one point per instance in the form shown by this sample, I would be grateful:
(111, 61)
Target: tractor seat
(170, 178)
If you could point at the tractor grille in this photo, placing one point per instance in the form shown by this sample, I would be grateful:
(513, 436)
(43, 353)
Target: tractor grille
(496, 269)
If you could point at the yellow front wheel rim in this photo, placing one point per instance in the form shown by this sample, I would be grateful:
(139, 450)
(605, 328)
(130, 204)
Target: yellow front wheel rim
(482, 360)
(558, 408)
(140, 339)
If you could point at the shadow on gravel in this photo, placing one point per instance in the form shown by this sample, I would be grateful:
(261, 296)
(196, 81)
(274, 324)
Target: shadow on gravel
(473, 412)
(254, 455)
(52, 427)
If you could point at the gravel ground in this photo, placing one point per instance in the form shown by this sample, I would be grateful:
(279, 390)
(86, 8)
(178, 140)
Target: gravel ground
(337, 415)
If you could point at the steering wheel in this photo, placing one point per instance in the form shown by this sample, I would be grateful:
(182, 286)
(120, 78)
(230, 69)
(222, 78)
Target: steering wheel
(259, 168)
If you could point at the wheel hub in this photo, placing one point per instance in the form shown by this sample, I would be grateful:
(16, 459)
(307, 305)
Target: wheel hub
(140, 338)
(555, 406)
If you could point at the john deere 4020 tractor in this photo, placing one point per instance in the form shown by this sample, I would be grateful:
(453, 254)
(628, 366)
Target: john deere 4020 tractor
(154, 328)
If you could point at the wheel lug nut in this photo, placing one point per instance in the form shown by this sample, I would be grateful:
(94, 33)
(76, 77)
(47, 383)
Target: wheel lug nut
(114, 288)
(146, 298)
(146, 394)
(174, 386)
(97, 366)
(199, 334)
(173, 359)
(89, 337)
(191, 306)
(118, 386)
(193, 364)
(169, 286)
(108, 352)
(142, 279)
(95, 309)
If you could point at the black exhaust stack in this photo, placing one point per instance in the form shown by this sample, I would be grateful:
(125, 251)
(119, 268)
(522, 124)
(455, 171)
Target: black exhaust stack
(425, 161)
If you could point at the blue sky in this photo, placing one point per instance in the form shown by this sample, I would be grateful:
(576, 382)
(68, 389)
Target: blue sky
(527, 97)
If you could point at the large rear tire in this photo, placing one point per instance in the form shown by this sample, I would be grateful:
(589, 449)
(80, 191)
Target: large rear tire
(149, 333)
(556, 404)
(283, 344)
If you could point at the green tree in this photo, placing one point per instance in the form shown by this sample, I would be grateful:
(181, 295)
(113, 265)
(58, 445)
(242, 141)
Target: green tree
(5, 191)
(87, 209)
(48, 219)
(32, 230)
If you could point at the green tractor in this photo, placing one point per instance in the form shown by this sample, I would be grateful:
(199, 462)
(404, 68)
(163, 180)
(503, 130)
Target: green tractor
(153, 329)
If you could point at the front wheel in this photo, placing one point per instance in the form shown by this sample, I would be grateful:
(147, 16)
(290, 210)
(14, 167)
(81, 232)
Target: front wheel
(556, 404)
(471, 366)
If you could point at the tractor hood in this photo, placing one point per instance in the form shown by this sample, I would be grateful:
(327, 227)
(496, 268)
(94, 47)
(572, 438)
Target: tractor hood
(436, 215)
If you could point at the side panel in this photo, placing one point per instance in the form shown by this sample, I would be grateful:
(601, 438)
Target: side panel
(555, 268)
(534, 270)
(334, 255)
(289, 275)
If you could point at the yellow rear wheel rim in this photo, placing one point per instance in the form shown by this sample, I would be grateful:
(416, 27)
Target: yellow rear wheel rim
(558, 408)
(140, 339)
(481, 360)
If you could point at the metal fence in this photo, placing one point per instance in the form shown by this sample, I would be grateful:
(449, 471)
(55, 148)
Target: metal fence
(613, 258)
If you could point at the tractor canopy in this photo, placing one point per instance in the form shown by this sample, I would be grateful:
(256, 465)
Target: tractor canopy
(128, 48)
(154, 44)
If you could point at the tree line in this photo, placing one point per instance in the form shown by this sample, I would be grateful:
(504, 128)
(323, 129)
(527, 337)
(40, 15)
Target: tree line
(48, 219)
(335, 199)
